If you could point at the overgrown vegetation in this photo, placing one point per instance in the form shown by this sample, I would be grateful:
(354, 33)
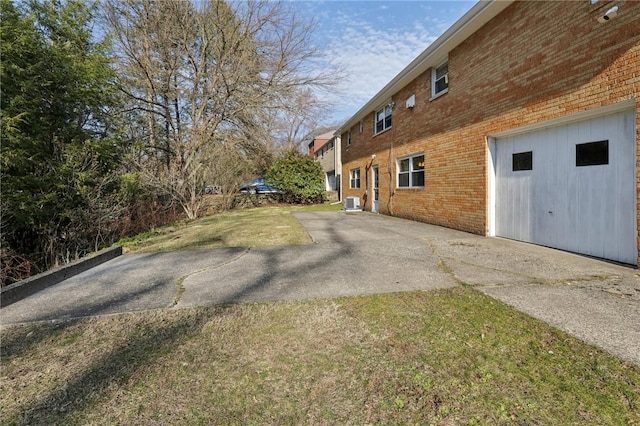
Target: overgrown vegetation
(301, 178)
(59, 151)
(444, 357)
(117, 115)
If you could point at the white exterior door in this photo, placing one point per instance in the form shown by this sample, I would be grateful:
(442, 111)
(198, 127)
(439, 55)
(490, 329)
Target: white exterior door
(572, 187)
(375, 179)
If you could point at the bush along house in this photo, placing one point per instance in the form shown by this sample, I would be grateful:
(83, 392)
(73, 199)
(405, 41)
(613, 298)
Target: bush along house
(521, 121)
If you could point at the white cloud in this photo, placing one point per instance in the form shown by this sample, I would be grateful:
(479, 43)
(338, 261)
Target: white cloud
(373, 41)
(372, 57)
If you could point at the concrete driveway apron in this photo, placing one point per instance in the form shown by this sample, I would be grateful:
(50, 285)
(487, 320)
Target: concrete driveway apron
(351, 255)
(363, 253)
(130, 282)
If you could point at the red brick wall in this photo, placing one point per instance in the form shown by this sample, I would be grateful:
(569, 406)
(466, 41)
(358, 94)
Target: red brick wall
(535, 61)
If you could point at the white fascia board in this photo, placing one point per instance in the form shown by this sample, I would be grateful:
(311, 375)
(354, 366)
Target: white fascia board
(481, 13)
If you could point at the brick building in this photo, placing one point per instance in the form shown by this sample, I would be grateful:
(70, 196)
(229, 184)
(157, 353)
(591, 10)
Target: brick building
(317, 142)
(522, 121)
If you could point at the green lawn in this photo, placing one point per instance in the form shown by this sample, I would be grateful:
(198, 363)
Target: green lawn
(265, 226)
(447, 357)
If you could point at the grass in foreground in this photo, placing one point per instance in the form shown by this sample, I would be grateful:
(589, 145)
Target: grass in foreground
(264, 226)
(446, 357)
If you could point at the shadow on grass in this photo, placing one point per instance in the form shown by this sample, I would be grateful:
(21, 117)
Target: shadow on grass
(24, 336)
(146, 343)
(187, 243)
(29, 335)
(275, 273)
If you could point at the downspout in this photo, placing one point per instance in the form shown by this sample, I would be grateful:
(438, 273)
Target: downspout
(392, 192)
(390, 169)
(367, 169)
(337, 162)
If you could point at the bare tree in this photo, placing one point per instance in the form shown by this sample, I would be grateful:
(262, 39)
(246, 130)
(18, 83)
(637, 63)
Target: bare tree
(209, 77)
(293, 124)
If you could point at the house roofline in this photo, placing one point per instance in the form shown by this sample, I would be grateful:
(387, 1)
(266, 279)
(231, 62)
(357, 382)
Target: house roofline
(326, 135)
(481, 13)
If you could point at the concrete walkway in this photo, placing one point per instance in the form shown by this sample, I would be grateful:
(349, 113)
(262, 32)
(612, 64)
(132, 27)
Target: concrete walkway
(362, 253)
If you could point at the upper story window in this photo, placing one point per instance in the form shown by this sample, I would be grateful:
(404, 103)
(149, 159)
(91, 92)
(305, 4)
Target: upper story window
(349, 138)
(383, 118)
(361, 128)
(440, 79)
(411, 171)
(354, 178)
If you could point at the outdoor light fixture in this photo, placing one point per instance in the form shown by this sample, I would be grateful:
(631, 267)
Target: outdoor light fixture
(609, 14)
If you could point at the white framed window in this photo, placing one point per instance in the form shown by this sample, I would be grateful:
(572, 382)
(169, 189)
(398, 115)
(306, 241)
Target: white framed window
(349, 138)
(411, 171)
(383, 119)
(440, 79)
(354, 178)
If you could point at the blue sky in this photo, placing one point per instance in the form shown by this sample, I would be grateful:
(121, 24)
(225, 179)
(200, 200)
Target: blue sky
(375, 40)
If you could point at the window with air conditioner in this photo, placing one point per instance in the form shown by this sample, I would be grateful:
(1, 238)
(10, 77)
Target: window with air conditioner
(440, 79)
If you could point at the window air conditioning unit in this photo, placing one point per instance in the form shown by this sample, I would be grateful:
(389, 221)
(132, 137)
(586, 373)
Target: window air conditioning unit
(352, 203)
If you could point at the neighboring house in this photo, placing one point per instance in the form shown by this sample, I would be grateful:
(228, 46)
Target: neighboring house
(318, 141)
(522, 121)
(327, 153)
(312, 150)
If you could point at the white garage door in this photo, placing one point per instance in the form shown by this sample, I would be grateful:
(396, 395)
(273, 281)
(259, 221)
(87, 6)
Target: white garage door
(571, 187)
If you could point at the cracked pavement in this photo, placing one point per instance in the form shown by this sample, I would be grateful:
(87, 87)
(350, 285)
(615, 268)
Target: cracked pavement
(362, 253)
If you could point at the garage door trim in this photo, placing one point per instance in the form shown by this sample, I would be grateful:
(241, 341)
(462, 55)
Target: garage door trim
(494, 140)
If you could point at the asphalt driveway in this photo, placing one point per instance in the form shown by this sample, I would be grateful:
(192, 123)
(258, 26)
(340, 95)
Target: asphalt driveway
(362, 253)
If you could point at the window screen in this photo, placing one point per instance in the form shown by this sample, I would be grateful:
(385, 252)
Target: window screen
(592, 153)
(440, 78)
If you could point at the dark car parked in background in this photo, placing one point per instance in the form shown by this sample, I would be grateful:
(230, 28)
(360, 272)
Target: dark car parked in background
(257, 186)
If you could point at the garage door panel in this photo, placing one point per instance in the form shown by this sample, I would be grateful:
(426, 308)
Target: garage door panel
(547, 195)
(517, 186)
(589, 209)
